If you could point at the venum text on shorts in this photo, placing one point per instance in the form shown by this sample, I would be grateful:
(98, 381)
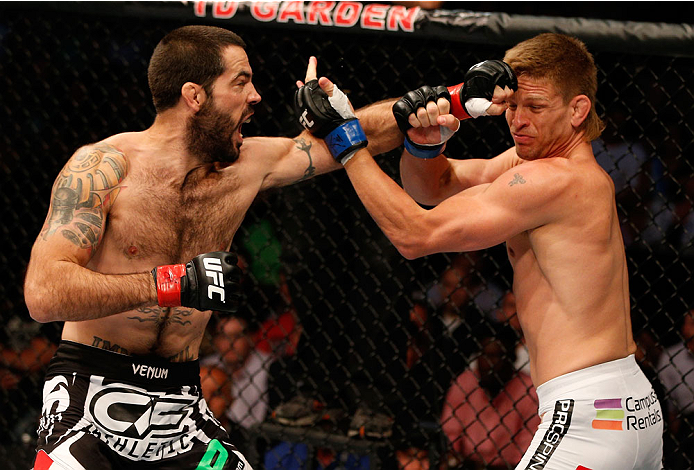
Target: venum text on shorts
(150, 372)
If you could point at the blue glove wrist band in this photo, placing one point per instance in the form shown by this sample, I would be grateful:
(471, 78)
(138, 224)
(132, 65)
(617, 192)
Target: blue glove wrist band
(344, 137)
(431, 151)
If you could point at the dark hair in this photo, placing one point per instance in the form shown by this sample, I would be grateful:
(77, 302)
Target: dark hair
(187, 54)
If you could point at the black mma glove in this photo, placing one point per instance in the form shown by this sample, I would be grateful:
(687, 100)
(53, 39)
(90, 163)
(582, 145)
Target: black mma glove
(330, 118)
(409, 104)
(210, 281)
(478, 86)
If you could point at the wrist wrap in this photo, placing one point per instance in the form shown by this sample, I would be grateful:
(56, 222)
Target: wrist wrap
(457, 107)
(423, 151)
(346, 139)
(168, 282)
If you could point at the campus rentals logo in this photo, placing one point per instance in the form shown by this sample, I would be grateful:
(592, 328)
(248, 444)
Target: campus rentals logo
(609, 414)
(634, 413)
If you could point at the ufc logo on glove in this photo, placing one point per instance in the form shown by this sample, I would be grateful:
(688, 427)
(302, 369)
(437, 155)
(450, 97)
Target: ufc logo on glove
(213, 269)
(211, 273)
(303, 119)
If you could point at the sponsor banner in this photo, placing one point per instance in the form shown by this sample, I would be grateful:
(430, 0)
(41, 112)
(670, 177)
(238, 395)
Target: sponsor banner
(459, 26)
(367, 16)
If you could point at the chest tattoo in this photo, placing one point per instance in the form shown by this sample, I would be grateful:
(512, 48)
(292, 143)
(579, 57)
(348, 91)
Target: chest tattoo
(163, 316)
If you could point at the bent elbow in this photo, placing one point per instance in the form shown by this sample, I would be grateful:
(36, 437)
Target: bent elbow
(39, 309)
(407, 253)
(38, 312)
(410, 246)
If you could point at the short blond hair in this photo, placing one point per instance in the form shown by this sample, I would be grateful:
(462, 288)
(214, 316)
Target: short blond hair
(566, 63)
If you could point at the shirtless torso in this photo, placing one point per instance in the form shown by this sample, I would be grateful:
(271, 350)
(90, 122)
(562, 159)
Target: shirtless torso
(151, 217)
(139, 200)
(152, 199)
(570, 274)
(160, 218)
(553, 206)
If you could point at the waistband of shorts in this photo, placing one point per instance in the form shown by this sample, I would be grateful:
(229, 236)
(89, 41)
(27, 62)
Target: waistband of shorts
(76, 358)
(574, 381)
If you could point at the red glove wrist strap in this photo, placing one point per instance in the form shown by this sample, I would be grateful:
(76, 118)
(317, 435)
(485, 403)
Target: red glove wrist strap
(457, 108)
(169, 284)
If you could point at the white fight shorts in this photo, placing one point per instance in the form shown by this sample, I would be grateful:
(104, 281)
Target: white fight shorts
(604, 417)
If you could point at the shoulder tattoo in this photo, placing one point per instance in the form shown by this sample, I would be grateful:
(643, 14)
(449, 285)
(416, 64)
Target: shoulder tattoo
(84, 190)
(517, 179)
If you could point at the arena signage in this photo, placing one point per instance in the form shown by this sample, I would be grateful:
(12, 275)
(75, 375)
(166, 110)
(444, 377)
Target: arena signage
(373, 16)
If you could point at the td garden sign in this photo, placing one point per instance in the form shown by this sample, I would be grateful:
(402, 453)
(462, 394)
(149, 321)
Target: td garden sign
(369, 16)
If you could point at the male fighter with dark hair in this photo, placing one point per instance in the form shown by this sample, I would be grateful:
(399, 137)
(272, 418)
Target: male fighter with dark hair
(119, 259)
(554, 207)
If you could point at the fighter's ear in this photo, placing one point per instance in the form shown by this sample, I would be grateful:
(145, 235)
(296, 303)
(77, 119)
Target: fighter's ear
(580, 107)
(193, 95)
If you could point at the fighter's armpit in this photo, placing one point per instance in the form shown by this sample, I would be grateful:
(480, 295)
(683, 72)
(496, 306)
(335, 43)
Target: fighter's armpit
(83, 193)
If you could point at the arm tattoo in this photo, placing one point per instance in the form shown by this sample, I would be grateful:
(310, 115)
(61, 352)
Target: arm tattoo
(310, 170)
(104, 344)
(517, 179)
(84, 189)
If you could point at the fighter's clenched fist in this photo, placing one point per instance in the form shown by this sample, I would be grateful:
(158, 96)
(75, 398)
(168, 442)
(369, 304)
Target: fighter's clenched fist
(487, 86)
(484, 92)
(208, 282)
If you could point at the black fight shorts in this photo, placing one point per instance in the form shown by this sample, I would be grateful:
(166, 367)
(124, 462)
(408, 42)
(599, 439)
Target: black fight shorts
(103, 410)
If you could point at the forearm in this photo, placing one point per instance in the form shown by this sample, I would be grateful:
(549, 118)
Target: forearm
(307, 156)
(391, 208)
(428, 181)
(77, 293)
(380, 127)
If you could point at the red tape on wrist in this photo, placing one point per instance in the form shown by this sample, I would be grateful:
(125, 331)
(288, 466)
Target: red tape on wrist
(457, 108)
(169, 284)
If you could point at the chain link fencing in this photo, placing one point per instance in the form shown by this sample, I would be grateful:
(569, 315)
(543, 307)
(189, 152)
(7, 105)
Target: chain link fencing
(371, 341)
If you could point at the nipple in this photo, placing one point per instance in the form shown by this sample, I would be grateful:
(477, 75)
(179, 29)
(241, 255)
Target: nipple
(132, 250)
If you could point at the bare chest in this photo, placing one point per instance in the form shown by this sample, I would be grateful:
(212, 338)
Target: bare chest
(169, 223)
(519, 248)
